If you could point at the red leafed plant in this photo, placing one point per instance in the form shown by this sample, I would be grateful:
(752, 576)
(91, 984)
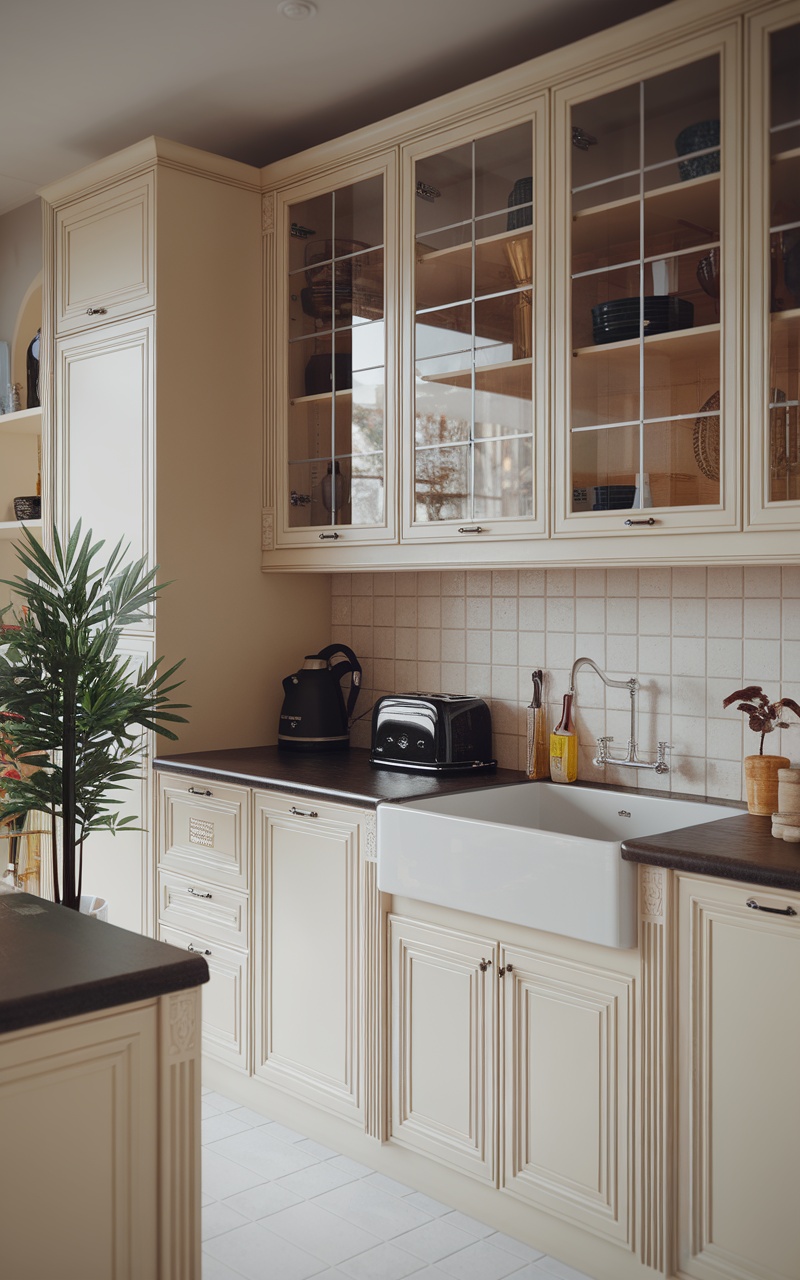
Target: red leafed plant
(763, 715)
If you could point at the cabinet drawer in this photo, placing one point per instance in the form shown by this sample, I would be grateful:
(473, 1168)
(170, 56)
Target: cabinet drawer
(195, 905)
(105, 255)
(203, 829)
(226, 1030)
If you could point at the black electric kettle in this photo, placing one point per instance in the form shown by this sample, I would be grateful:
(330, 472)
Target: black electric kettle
(314, 716)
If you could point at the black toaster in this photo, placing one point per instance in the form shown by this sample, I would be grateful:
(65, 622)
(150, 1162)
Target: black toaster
(432, 733)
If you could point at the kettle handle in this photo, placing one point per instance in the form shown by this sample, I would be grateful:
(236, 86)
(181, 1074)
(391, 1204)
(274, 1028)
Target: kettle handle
(341, 669)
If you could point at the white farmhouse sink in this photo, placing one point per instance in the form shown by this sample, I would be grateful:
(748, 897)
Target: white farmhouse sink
(532, 853)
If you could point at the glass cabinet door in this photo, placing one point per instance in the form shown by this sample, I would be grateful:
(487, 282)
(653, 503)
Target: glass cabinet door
(336, 393)
(643, 397)
(775, 273)
(479, 209)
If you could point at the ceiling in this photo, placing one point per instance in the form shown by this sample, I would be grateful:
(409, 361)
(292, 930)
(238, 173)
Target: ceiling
(82, 79)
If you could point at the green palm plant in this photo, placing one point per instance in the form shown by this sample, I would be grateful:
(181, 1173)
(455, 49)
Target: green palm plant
(73, 711)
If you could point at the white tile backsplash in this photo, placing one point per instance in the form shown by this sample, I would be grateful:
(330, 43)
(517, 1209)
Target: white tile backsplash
(691, 635)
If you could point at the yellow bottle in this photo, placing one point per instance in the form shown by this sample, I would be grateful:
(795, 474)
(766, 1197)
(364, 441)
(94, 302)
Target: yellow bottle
(564, 746)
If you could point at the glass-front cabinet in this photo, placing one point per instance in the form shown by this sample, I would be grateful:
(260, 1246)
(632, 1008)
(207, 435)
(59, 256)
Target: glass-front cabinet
(334, 395)
(646, 401)
(476, 335)
(774, 314)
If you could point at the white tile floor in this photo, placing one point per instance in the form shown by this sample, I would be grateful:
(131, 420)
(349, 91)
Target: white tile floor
(277, 1206)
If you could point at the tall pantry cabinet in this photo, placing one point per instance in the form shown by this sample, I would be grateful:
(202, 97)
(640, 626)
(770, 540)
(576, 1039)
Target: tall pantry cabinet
(153, 347)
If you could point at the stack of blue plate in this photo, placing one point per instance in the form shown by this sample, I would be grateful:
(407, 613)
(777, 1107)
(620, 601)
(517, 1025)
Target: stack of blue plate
(613, 497)
(618, 319)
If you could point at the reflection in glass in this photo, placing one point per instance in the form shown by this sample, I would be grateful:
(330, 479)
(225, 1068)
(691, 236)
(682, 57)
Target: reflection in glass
(503, 478)
(367, 487)
(682, 461)
(358, 215)
(605, 467)
(310, 430)
(442, 483)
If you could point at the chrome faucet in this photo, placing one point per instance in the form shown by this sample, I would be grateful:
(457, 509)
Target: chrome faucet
(604, 756)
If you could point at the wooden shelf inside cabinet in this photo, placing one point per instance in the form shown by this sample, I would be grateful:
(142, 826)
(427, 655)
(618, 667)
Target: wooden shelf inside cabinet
(695, 203)
(455, 263)
(513, 378)
(322, 396)
(791, 317)
(699, 342)
(12, 528)
(25, 422)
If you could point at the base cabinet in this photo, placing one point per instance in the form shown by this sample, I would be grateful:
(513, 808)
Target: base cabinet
(562, 1033)
(308, 946)
(739, 1061)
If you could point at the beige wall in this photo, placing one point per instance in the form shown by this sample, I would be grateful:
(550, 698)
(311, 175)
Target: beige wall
(20, 261)
(691, 635)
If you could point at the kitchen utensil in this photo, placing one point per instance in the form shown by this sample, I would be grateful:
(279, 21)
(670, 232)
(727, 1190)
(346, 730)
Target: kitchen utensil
(432, 733)
(538, 758)
(314, 716)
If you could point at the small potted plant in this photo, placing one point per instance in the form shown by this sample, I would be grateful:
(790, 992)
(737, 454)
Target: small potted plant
(761, 772)
(72, 709)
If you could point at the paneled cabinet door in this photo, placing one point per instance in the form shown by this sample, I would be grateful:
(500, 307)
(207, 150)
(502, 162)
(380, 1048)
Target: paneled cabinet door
(307, 950)
(226, 995)
(647, 255)
(475, 464)
(568, 1089)
(738, 1067)
(105, 255)
(332, 260)
(105, 428)
(443, 1033)
(773, 316)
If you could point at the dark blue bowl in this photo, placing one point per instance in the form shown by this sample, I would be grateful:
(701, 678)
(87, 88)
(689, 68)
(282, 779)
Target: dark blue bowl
(697, 137)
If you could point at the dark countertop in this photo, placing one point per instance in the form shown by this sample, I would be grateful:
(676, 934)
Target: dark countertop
(56, 963)
(341, 775)
(739, 848)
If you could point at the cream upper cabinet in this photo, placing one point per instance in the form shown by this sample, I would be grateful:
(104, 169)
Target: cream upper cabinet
(738, 1065)
(475, 207)
(773, 318)
(331, 271)
(648, 250)
(105, 251)
(308, 943)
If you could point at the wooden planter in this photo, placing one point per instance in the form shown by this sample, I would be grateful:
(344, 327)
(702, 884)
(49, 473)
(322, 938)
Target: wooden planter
(761, 776)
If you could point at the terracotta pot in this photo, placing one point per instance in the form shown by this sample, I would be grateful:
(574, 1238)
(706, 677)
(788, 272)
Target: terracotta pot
(761, 776)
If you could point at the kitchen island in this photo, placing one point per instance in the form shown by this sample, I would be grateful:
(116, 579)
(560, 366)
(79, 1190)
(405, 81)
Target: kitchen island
(99, 1099)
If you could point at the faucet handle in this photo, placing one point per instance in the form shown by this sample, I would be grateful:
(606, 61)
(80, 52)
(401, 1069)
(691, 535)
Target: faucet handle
(601, 742)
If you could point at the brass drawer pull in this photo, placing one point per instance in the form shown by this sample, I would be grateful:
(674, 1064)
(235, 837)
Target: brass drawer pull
(471, 528)
(195, 894)
(201, 951)
(304, 813)
(196, 791)
(97, 311)
(630, 523)
(773, 911)
(333, 536)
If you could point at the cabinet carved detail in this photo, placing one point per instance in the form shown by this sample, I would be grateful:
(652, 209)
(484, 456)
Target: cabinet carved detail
(370, 837)
(182, 1024)
(655, 1077)
(268, 213)
(651, 890)
(267, 529)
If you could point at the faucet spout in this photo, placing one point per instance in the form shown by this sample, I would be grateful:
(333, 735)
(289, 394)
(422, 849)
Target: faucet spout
(631, 759)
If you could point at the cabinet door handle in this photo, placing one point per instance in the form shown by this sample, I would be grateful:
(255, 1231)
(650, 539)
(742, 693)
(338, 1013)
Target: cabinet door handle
(197, 791)
(195, 894)
(484, 965)
(200, 950)
(630, 523)
(509, 968)
(773, 911)
(304, 813)
(333, 536)
(97, 311)
(471, 528)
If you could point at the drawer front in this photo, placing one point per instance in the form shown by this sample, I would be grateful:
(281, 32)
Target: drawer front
(105, 259)
(220, 915)
(203, 830)
(226, 1023)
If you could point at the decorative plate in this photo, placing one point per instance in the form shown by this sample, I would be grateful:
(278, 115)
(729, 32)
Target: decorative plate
(706, 438)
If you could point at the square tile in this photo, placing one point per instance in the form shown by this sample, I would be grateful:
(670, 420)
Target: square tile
(324, 1234)
(478, 1230)
(255, 1252)
(263, 1200)
(213, 1269)
(251, 1118)
(385, 1262)
(517, 1247)
(315, 1180)
(261, 1153)
(389, 1185)
(217, 1218)
(560, 1270)
(222, 1177)
(480, 1261)
(433, 1241)
(374, 1211)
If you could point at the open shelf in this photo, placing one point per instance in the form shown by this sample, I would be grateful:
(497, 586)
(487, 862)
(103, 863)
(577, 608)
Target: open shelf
(679, 342)
(695, 202)
(320, 396)
(513, 378)
(25, 422)
(12, 528)
(779, 317)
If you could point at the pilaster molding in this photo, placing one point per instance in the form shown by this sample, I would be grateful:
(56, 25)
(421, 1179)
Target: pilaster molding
(376, 1094)
(655, 1072)
(370, 825)
(179, 1135)
(267, 529)
(268, 213)
(652, 893)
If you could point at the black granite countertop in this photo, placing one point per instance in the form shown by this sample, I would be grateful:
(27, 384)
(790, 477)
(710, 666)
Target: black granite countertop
(56, 963)
(341, 775)
(736, 848)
